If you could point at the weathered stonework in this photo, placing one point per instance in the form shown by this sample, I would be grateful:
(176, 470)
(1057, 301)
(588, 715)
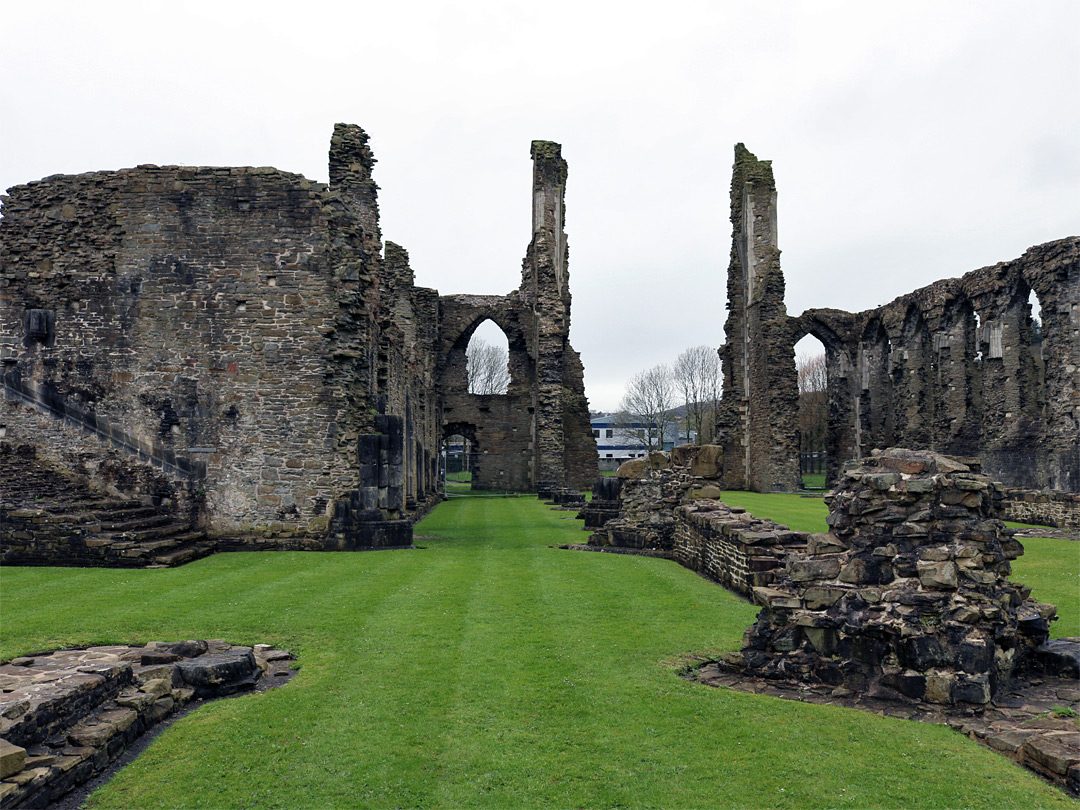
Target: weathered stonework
(756, 417)
(537, 434)
(244, 333)
(667, 506)
(1042, 507)
(65, 715)
(909, 591)
(955, 366)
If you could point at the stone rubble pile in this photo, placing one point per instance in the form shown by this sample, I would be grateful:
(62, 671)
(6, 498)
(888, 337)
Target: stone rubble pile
(651, 488)
(908, 593)
(65, 715)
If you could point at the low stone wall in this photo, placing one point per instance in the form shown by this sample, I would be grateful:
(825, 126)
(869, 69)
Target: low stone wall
(667, 504)
(1043, 507)
(729, 546)
(604, 505)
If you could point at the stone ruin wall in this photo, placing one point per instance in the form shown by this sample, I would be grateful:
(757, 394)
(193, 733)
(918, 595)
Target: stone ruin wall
(667, 505)
(243, 335)
(950, 367)
(907, 593)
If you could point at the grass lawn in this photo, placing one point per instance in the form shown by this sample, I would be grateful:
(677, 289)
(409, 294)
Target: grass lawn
(488, 670)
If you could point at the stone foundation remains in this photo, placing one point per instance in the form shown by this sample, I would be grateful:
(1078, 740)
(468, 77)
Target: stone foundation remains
(668, 506)
(959, 366)
(604, 505)
(240, 346)
(1042, 507)
(909, 592)
(65, 715)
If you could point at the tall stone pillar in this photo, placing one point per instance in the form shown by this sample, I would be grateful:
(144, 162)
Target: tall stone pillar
(757, 419)
(564, 452)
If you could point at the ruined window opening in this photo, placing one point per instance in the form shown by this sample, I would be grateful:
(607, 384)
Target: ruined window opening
(1036, 334)
(488, 360)
(457, 459)
(978, 338)
(39, 326)
(1035, 315)
(813, 380)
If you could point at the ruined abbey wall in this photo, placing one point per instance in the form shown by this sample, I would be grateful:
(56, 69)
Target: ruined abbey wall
(245, 332)
(955, 367)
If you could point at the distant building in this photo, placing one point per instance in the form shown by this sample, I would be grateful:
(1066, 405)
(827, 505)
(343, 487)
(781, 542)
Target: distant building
(618, 442)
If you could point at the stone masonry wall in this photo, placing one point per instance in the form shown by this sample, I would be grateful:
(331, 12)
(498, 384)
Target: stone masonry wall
(193, 307)
(246, 333)
(668, 505)
(909, 592)
(1042, 507)
(757, 413)
(957, 366)
(537, 435)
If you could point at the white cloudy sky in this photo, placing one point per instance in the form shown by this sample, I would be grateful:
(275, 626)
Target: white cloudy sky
(911, 141)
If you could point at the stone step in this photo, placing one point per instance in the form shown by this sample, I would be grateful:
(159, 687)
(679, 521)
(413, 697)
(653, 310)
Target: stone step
(184, 554)
(100, 504)
(160, 545)
(157, 533)
(179, 556)
(149, 519)
(124, 513)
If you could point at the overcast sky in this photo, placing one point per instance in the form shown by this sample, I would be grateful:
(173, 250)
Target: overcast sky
(910, 141)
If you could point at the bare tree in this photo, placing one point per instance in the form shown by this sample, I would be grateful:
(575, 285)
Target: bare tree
(488, 367)
(813, 403)
(697, 376)
(646, 406)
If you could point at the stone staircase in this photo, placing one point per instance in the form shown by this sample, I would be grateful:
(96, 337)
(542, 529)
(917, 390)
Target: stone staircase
(48, 517)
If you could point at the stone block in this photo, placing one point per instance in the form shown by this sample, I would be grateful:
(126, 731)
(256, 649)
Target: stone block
(1056, 750)
(813, 569)
(12, 759)
(937, 575)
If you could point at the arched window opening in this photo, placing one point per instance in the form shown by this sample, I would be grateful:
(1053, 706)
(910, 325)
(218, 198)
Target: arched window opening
(813, 410)
(488, 360)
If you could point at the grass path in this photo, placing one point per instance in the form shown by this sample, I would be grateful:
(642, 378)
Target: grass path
(487, 670)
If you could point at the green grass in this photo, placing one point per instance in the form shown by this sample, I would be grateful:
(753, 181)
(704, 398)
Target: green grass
(813, 480)
(794, 511)
(488, 670)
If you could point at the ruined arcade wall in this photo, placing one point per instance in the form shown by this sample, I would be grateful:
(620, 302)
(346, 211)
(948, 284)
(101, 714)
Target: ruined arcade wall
(956, 367)
(537, 435)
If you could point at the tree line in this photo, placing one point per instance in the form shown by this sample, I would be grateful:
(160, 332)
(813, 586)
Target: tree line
(649, 409)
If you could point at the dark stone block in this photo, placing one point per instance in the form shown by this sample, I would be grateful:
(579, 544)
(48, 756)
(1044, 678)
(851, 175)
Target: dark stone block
(975, 658)
(1060, 656)
(220, 673)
